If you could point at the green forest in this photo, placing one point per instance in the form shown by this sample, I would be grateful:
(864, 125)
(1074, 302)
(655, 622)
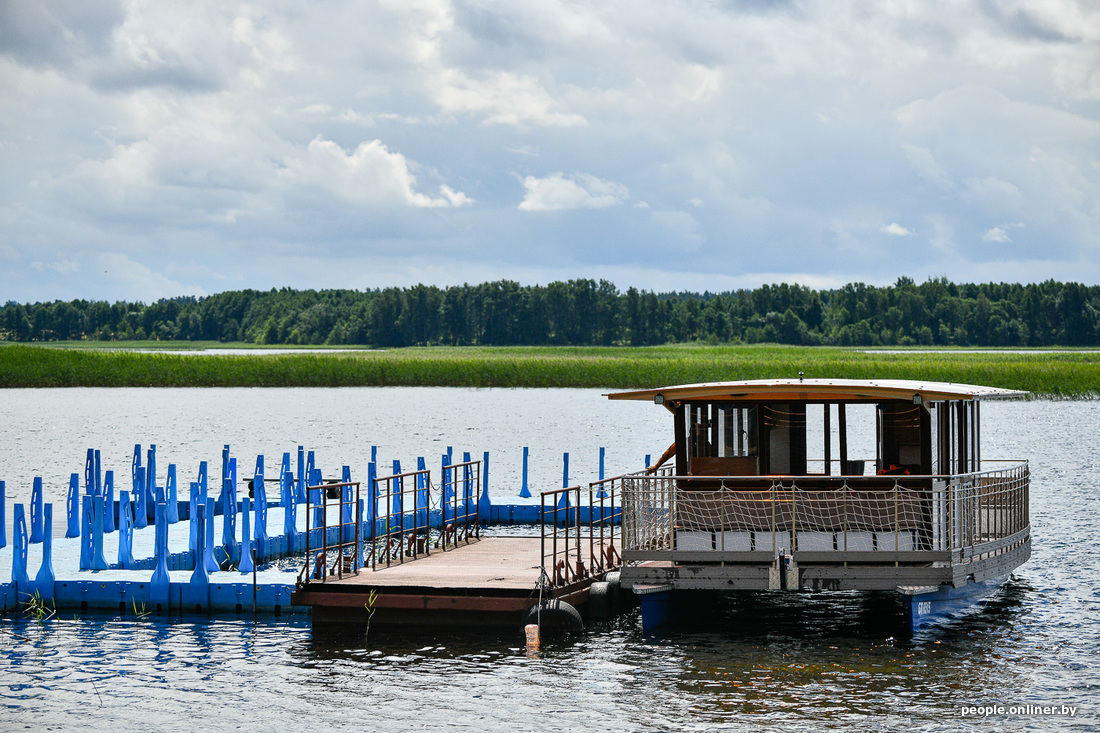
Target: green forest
(585, 312)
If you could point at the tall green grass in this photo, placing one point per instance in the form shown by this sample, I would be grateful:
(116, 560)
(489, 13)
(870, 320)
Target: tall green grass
(1074, 374)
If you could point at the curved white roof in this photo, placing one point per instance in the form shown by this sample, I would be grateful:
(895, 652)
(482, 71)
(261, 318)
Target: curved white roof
(829, 390)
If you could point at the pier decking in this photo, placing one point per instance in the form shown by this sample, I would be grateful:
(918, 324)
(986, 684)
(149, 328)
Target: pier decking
(490, 581)
(430, 569)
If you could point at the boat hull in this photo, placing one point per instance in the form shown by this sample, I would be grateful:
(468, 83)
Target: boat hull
(927, 606)
(663, 607)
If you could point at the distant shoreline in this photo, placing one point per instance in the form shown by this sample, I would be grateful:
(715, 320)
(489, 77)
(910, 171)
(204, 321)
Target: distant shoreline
(1043, 372)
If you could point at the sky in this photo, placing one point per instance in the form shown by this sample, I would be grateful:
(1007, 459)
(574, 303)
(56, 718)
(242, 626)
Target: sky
(154, 149)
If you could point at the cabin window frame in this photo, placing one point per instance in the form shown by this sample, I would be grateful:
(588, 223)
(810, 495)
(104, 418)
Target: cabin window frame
(959, 437)
(897, 423)
(717, 429)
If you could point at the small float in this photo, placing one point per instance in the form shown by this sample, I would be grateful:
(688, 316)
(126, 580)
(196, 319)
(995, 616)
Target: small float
(823, 484)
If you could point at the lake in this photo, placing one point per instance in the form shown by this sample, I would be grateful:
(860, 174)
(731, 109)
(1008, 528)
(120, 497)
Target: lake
(792, 662)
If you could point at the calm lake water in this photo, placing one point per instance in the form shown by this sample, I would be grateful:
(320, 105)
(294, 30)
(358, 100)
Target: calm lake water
(791, 662)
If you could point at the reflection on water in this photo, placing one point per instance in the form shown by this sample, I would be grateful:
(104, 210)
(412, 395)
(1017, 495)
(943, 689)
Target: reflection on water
(788, 661)
(762, 658)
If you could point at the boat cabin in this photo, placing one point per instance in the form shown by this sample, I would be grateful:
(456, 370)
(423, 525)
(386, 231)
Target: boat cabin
(802, 427)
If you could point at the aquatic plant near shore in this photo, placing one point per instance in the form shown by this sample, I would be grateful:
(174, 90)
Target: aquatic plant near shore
(1044, 373)
(37, 609)
(372, 599)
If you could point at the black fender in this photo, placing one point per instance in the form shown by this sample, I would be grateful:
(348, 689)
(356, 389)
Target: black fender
(554, 613)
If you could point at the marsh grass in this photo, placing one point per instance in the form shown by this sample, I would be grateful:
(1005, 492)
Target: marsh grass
(37, 609)
(1043, 373)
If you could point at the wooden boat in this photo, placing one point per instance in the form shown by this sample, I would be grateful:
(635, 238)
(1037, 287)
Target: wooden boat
(822, 484)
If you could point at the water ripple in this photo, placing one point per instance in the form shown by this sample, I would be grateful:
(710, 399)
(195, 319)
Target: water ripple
(801, 662)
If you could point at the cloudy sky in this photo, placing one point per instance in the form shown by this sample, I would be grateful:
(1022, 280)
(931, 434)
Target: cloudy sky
(151, 149)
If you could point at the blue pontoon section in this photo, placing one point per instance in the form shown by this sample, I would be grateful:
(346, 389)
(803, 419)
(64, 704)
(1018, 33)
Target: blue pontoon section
(249, 537)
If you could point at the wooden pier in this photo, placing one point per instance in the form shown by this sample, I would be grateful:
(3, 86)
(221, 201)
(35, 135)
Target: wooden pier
(436, 569)
(492, 581)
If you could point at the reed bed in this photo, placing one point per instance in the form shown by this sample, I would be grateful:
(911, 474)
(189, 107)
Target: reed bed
(1070, 374)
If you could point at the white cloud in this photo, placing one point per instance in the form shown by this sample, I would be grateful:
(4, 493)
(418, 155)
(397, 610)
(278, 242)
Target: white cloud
(235, 131)
(140, 281)
(943, 234)
(679, 231)
(557, 192)
(350, 115)
(698, 83)
(370, 175)
(925, 164)
(896, 230)
(502, 98)
(1000, 233)
(63, 267)
(994, 192)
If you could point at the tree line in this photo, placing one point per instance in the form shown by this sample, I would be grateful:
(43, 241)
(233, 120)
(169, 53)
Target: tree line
(585, 312)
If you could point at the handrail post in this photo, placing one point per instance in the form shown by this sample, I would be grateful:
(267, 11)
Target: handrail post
(577, 524)
(308, 515)
(897, 519)
(542, 534)
(794, 517)
(324, 528)
(591, 526)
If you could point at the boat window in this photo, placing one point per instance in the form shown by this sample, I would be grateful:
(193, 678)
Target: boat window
(959, 436)
(738, 428)
(785, 427)
(900, 432)
(975, 437)
(720, 439)
(935, 415)
(946, 441)
(856, 438)
(840, 438)
(721, 430)
(821, 440)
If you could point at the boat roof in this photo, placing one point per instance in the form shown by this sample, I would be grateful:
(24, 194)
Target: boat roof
(820, 390)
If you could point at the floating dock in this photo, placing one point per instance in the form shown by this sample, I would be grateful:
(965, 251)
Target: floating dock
(492, 581)
(398, 548)
(428, 567)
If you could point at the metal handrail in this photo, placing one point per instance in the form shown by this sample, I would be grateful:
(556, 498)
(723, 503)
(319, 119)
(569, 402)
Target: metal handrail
(451, 507)
(956, 513)
(460, 519)
(564, 561)
(398, 539)
(318, 567)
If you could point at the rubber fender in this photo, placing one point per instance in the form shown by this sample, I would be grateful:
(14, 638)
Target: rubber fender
(554, 614)
(615, 591)
(599, 601)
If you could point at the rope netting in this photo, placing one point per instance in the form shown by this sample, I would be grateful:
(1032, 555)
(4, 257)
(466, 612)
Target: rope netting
(951, 513)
